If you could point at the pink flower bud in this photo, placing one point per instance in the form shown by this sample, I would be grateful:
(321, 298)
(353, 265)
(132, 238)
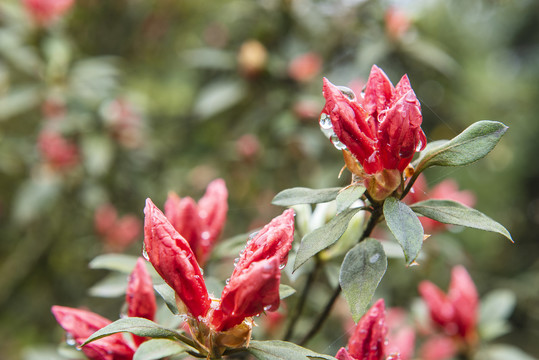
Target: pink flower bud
(439, 348)
(274, 240)
(200, 224)
(80, 324)
(45, 11)
(139, 296)
(457, 311)
(249, 293)
(304, 67)
(172, 257)
(383, 129)
(397, 23)
(117, 233)
(57, 151)
(369, 339)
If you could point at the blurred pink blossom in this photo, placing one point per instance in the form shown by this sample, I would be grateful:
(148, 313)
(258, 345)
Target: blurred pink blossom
(46, 11)
(57, 151)
(305, 67)
(117, 233)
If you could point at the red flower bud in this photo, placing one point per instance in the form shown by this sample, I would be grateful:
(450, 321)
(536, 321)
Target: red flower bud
(173, 259)
(369, 339)
(200, 224)
(45, 11)
(457, 311)
(383, 129)
(249, 293)
(274, 240)
(80, 324)
(57, 151)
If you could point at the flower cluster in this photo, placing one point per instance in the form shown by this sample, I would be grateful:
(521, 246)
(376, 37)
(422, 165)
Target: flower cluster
(80, 324)
(253, 287)
(199, 223)
(379, 132)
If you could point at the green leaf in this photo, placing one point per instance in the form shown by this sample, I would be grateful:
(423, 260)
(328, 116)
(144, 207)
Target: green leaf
(286, 291)
(300, 195)
(18, 101)
(502, 352)
(452, 212)
(136, 326)
(472, 144)
(118, 262)
(361, 271)
(348, 196)
(405, 226)
(113, 285)
(324, 236)
(158, 348)
(283, 350)
(495, 309)
(168, 294)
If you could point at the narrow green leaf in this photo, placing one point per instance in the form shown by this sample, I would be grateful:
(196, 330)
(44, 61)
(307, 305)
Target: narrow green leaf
(502, 352)
(472, 144)
(134, 325)
(111, 286)
(283, 350)
(452, 212)
(158, 348)
(323, 237)
(348, 196)
(361, 271)
(300, 195)
(118, 262)
(286, 291)
(168, 294)
(405, 226)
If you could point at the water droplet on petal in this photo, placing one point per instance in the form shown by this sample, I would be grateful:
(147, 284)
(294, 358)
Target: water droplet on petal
(227, 281)
(205, 235)
(419, 145)
(281, 266)
(337, 143)
(267, 307)
(145, 253)
(347, 92)
(70, 340)
(325, 121)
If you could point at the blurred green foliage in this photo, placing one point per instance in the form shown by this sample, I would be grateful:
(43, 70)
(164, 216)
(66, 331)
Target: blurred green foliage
(223, 89)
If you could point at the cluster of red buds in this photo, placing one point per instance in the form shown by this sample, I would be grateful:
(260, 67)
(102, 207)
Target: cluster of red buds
(199, 223)
(80, 324)
(454, 313)
(379, 132)
(253, 287)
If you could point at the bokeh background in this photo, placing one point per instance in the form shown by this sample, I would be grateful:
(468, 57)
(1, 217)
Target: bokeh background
(116, 101)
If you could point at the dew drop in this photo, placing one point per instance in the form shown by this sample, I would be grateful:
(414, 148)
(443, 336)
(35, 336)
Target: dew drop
(227, 281)
(267, 307)
(325, 121)
(70, 340)
(205, 235)
(236, 261)
(281, 266)
(145, 253)
(337, 143)
(374, 258)
(347, 92)
(419, 145)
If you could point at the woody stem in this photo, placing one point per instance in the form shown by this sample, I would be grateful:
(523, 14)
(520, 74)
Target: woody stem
(301, 302)
(375, 217)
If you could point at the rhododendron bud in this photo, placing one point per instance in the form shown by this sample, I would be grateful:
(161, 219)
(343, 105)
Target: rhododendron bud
(172, 257)
(80, 324)
(397, 23)
(457, 311)
(249, 293)
(139, 296)
(200, 224)
(439, 348)
(368, 342)
(57, 151)
(381, 130)
(274, 240)
(118, 233)
(304, 67)
(45, 11)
